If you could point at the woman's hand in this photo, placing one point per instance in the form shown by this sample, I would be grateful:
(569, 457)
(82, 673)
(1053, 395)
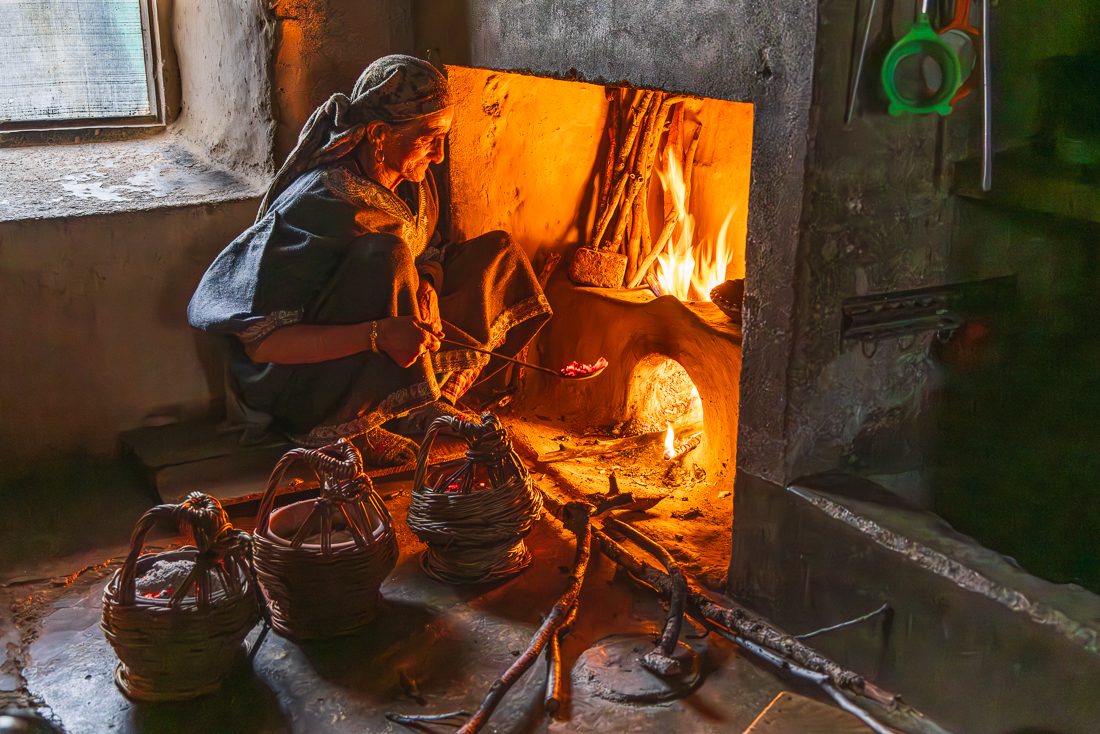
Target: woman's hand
(428, 302)
(405, 338)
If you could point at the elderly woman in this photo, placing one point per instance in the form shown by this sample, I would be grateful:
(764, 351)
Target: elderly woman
(337, 296)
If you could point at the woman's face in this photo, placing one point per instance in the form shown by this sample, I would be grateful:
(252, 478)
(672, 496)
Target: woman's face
(408, 149)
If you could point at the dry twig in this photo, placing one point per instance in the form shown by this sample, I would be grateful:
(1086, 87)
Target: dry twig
(576, 518)
(660, 660)
(755, 634)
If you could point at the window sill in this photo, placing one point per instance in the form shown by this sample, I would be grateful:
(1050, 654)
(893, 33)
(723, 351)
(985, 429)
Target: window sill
(50, 182)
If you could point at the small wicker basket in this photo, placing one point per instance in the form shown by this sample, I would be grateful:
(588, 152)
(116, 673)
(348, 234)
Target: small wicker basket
(474, 518)
(184, 646)
(324, 589)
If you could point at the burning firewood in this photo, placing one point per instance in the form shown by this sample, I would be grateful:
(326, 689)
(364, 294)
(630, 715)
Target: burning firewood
(620, 237)
(674, 451)
(672, 219)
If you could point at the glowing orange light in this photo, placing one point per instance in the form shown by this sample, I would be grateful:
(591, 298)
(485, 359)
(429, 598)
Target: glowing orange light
(670, 443)
(686, 269)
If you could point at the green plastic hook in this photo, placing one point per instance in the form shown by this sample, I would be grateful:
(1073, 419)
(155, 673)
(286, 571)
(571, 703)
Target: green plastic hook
(922, 41)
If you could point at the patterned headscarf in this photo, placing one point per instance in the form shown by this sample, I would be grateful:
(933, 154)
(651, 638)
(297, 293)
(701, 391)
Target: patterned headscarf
(393, 89)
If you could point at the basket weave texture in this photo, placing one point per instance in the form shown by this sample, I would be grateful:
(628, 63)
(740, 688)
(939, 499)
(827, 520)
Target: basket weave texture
(325, 589)
(185, 646)
(475, 518)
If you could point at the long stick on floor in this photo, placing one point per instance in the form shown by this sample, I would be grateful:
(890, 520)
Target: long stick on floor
(576, 518)
(757, 635)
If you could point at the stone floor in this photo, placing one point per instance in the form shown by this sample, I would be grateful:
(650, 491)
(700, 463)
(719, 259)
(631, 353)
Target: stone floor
(436, 648)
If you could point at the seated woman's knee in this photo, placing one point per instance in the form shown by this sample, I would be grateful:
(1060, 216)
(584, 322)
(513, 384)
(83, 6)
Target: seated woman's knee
(499, 241)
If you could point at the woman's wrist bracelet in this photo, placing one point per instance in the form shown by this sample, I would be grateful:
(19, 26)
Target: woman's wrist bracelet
(374, 336)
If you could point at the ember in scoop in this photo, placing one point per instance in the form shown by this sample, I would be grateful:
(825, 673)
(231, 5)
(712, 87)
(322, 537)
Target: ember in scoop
(573, 369)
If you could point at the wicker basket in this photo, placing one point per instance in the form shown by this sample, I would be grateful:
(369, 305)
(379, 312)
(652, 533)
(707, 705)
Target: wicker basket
(178, 648)
(474, 517)
(324, 589)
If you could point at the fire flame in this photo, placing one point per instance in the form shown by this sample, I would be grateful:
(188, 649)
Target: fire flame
(685, 269)
(670, 443)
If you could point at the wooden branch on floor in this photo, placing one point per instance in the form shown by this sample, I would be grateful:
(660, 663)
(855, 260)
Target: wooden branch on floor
(660, 660)
(554, 697)
(577, 520)
(756, 634)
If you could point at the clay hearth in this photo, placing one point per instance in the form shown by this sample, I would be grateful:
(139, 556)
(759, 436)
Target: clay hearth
(630, 328)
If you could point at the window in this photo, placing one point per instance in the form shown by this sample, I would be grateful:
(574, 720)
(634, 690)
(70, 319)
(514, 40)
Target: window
(76, 63)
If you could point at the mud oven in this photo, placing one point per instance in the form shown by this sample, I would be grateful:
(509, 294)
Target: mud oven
(528, 155)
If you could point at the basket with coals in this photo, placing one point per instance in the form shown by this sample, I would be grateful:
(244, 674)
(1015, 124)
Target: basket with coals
(474, 514)
(178, 620)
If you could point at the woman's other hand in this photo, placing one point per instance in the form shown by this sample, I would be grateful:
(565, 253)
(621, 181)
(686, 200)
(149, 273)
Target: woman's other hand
(428, 302)
(405, 338)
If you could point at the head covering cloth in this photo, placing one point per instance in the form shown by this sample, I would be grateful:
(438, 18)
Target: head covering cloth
(393, 89)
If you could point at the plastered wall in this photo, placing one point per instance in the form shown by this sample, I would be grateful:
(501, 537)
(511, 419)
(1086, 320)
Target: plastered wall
(322, 46)
(95, 337)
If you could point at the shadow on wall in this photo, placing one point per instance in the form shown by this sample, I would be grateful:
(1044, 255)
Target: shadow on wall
(322, 46)
(441, 29)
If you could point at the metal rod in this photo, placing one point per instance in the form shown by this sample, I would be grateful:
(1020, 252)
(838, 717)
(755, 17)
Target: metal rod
(842, 625)
(494, 354)
(859, 66)
(987, 105)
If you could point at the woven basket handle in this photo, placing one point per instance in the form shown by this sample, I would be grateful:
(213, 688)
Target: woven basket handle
(208, 523)
(340, 460)
(127, 586)
(469, 431)
(426, 451)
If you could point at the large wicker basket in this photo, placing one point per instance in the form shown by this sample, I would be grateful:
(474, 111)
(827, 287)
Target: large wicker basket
(474, 518)
(324, 589)
(184, 646)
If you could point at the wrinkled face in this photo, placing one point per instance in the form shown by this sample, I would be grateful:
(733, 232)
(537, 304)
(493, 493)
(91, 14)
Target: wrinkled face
(408, 149)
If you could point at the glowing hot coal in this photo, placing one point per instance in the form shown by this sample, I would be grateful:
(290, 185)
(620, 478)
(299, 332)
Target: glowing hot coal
(576, 369)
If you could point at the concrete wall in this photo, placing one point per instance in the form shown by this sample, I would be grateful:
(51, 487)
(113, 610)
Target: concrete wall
(876, 218)
(743, 51)
(95, 337)
(974, 662)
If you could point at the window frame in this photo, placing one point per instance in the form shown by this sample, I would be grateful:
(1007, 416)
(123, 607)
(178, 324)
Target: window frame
(154, 66)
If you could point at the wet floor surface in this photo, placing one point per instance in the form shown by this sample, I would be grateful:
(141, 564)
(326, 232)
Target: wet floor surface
(434, 649)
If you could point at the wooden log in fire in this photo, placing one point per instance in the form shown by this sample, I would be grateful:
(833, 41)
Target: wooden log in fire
(671, 220)
(637, 116)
